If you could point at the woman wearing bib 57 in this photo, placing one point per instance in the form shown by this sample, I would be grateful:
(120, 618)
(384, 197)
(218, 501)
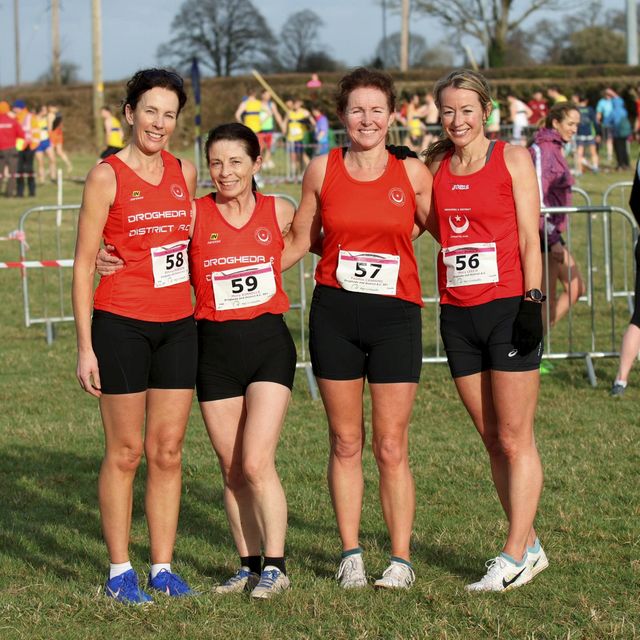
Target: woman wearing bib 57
(138, 353)
(365, 314)
(489, 275)
(246, 356)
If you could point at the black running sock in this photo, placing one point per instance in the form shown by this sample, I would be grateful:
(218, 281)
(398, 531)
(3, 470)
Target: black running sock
(253, 562)
(278, 563)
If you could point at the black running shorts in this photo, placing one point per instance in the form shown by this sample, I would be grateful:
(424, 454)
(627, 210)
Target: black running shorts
(352, 335)
(234, 353)
(635, 318)
(136, 355)
(479, 338)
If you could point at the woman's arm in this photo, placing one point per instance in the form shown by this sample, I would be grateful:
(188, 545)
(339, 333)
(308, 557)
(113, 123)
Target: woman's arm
(307, 223)
(527, 202)
(284, 214)
(422, 183)
(98, 196)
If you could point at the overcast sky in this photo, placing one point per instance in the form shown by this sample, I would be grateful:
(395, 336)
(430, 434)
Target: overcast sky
(133, 29)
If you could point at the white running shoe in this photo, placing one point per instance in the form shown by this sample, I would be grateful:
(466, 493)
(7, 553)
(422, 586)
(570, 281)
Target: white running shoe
(272, 581)
(502, 575)
(241, 580)
(351, 574)
(397, 575)
(537, 561)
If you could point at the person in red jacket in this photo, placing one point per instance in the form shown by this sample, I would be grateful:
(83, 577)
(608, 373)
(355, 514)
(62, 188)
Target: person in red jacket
(11, 137)
(365, 322)
(486, 205)
(138, 353)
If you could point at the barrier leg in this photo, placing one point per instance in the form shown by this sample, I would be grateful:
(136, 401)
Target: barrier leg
(591, 372)
(311, 381)
(50, 329)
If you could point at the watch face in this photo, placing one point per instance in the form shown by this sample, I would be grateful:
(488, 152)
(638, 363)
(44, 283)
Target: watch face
(535, 294)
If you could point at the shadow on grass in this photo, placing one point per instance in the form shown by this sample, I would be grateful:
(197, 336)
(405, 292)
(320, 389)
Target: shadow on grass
(49, 516)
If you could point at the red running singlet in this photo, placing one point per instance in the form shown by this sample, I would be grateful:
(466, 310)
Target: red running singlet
(149, 227)
(367, 232)
(480, 256)
(236, 272)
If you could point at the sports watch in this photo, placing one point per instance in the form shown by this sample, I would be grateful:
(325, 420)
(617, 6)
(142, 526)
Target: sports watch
(536, 295)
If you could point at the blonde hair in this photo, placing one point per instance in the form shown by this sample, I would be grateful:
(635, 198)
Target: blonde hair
(458, 79)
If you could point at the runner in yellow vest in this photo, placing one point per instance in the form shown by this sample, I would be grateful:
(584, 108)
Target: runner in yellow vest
(113, 133)
(248, 111)
(296, 123)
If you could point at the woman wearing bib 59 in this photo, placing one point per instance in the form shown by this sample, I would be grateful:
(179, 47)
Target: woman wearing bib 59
(246, 356)
(489, 275)
(138, 354)
(365, 314)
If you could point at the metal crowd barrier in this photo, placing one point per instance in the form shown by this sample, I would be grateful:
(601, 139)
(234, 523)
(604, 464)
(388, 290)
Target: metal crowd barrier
(587, 332)
(618, 194)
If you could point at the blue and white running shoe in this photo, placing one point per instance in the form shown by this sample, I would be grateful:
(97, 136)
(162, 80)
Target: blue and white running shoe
(170, 584)
(124, 588)
(272, 581)
(242, 580)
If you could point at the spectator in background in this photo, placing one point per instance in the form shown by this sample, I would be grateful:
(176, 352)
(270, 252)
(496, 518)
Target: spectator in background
(44, 147)
(586, 136)
(248, 111)
(603, 117)
(10, 133)
(295, 126)
(113, 133)
(321, 131)
(431, 118)
(492, 122)
(636, 97)
(554, 93)
(631, 339)
(269, 116)
(539, 108)
(621, 128)
(56, 136)
(519, 114)
(555, 181)
(26, 150)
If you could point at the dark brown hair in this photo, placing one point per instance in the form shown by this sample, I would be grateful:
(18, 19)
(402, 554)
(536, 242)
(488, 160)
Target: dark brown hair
(363, 77)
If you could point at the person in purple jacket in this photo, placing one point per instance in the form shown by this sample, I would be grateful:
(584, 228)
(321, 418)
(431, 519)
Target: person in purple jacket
(555, 181)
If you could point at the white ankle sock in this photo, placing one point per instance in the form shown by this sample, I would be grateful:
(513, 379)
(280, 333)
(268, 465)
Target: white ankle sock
(118, 569)
(157, 568)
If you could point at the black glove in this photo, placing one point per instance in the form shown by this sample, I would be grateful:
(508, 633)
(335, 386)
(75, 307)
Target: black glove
(401, 151)
(527, 327)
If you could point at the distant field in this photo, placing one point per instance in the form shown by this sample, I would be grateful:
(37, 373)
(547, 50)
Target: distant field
(53, 561)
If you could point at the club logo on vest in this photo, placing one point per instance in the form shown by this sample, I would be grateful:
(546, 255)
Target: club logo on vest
(459, 187)
(214, 238)
(177, 191)
(136, 195)
(456, 227)
(263, 235)
(397, 197)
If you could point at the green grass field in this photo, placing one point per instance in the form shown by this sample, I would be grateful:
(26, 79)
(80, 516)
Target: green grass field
(53, 561)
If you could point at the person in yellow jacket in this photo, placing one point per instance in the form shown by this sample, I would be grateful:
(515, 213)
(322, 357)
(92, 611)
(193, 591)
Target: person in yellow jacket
(297, 122)
(44, 148)
(113, 133)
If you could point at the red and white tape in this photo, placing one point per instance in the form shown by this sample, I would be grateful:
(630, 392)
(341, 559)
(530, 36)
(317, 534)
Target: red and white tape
(30, 264)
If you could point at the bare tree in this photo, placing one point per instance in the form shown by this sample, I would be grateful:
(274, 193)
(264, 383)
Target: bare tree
(299, 37)
(489, 21)
(68, 74)
(227, 36)
(389, 49)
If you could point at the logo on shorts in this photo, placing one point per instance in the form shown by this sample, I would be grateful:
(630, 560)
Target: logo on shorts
(263, 235)
(513, 353)
(177, 191)
(214, 237)
(459, 187)
(458, 224)
(397, 197)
